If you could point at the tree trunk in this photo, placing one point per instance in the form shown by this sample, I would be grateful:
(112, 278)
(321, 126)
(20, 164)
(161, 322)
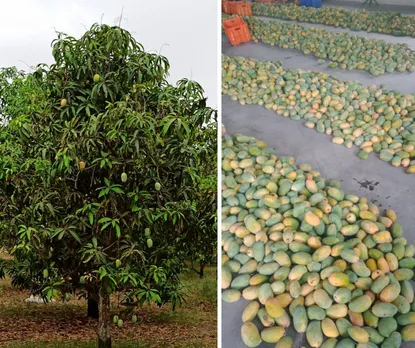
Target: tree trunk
(202, 269)
(104, 335)
(92, 307)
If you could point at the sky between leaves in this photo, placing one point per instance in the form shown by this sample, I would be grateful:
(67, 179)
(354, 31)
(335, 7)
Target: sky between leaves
(189, 27)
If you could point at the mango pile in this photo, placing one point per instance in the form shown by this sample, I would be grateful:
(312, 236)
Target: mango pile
(359, 20)
(308, 255)
(341, 50)
(374, 119)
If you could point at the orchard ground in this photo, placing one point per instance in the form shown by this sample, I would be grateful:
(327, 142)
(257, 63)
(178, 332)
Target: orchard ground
(65, 325)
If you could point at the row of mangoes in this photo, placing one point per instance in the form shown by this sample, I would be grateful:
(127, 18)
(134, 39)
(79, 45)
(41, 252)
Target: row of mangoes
(381, 22)
(340, 49)
(374, 119)
(308, 255)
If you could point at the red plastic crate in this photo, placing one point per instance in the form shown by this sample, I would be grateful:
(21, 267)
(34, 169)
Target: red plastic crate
(240, 8)
(233, 6)
(233, 22)
(237, 31)
(244, 9)
(226, 8)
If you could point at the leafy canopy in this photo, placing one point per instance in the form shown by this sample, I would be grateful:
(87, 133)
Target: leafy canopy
(105, 168)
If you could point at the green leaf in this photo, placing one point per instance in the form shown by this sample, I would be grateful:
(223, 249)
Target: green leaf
(49, 294)
(91, 218)
(66, 161)
(75, 235)
(105, 226)
(103, 192)
(117, 190)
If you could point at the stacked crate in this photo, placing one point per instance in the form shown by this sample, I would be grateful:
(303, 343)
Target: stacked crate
(237, 31)
(225, 7)
(240, 8)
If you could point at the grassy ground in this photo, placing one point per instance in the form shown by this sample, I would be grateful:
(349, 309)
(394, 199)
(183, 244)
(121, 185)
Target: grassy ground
(64, 325)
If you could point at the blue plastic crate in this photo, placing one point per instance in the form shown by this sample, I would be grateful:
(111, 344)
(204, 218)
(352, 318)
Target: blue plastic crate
(311, 3)
(315, 3)
(305, 3)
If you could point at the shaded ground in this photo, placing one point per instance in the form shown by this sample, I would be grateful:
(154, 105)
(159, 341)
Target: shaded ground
(64, 325)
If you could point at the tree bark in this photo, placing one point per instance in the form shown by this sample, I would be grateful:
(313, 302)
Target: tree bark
(92, 307)
(202, 269)
(104, 334)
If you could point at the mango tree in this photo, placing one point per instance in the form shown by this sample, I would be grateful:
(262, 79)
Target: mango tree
(98, 165)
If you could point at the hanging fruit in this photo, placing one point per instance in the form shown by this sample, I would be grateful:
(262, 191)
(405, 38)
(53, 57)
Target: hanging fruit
(118, 263)
(149, 243)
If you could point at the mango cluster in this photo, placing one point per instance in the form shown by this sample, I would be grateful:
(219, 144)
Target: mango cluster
(370, 117)
(359, 20)
(341, 50)
(308, 255)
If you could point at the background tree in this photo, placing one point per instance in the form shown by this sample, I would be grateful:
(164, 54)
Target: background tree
(199, 239)
(100, 165)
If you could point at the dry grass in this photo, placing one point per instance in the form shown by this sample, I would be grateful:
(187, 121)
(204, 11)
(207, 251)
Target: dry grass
(116, 344)
(29, 325)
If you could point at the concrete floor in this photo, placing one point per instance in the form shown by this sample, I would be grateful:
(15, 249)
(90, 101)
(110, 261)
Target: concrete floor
(384, 185)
